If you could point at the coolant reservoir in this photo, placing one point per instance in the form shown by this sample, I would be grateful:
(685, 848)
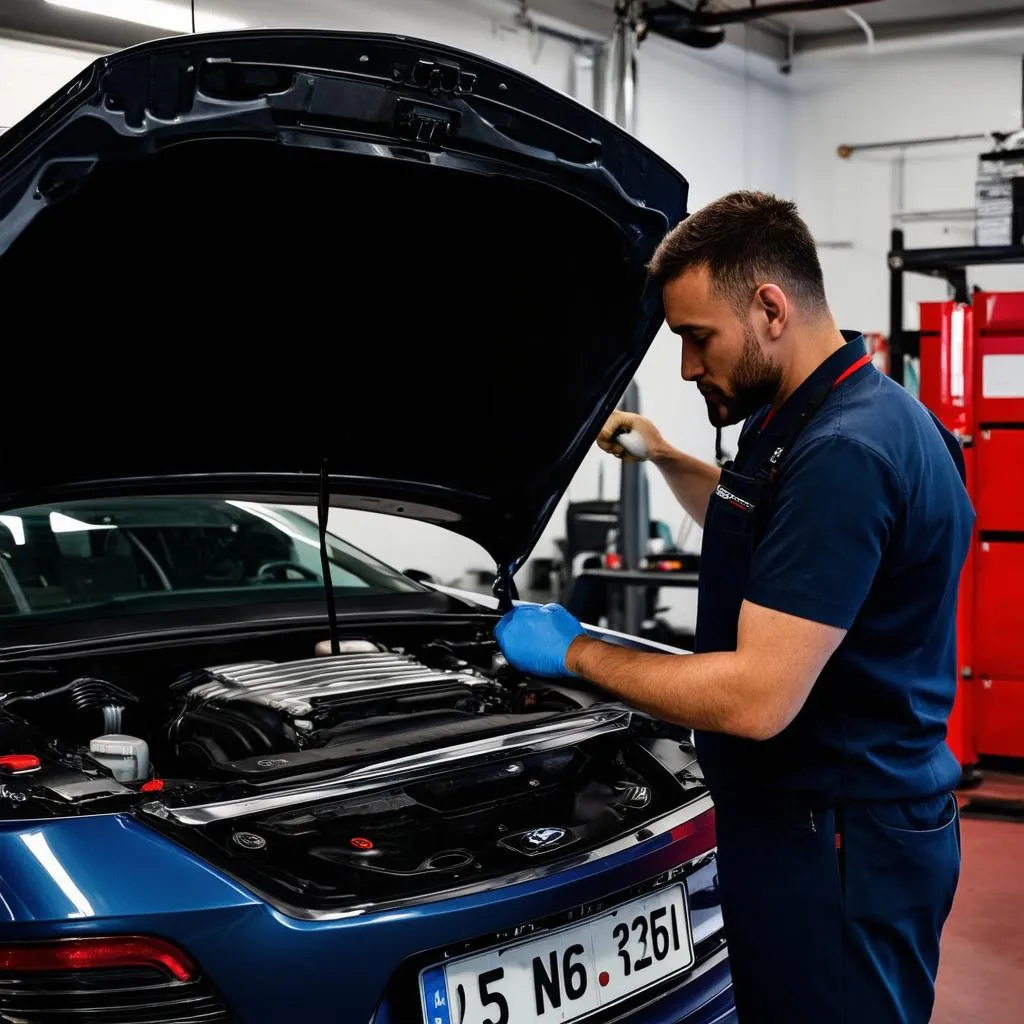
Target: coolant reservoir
(126, 756)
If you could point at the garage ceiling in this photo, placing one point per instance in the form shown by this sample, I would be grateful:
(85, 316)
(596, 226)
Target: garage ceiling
(890, 21)
(900, 21)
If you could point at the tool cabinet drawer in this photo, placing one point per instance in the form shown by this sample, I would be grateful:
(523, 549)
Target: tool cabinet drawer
(999, 609)
(999, 481)
(999, 717)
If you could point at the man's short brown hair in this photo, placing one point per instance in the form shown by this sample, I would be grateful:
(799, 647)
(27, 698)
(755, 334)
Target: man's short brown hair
(745, 239)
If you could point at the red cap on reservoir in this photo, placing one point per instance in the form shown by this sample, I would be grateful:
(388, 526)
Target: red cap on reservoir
(18, 762)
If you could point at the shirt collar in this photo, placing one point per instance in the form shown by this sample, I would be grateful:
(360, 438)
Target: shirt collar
(827, 371)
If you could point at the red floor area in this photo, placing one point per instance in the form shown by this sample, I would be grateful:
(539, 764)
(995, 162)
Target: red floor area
(981, 973)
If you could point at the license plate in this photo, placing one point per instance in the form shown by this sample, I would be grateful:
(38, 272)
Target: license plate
(566, 974)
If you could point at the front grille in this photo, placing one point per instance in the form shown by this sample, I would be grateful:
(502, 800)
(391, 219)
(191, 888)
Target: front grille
(135, 995)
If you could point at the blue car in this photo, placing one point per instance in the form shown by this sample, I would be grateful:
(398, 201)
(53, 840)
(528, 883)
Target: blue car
(247, 771)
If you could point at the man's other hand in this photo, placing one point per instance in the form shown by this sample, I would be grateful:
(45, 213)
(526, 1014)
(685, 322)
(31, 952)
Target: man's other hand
(654, 444)
(536, 639)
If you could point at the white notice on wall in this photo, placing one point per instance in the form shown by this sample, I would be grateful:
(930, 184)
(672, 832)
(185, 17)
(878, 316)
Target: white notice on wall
(1002, 376)
(956, 353)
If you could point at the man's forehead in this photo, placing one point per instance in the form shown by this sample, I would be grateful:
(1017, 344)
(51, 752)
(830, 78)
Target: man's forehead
(690, 298)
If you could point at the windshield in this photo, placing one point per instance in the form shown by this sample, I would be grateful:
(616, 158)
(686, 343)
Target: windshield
(76, 555)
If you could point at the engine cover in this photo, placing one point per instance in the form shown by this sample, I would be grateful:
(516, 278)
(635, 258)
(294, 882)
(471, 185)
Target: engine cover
(231, 714)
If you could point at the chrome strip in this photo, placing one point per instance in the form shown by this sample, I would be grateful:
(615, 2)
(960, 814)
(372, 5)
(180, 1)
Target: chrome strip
(729, 1014)
(534, 872)
(712, 961)
(385, 773)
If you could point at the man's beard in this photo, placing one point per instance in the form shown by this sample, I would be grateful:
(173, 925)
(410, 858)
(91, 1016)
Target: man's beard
(753, 384)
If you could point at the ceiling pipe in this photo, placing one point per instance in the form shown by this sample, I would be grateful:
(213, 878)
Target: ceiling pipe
(701, 16)
(846, 150)
(922, 43)
(868, 31)
(525, 18)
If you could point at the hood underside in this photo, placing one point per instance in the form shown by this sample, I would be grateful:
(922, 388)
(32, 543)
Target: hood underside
(227, 262)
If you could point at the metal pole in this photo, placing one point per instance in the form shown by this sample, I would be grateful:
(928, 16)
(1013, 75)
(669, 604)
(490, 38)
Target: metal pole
(599, 84)
(846, 150)
(896, 346)
(634, 520)
(634, 524)
(623, 61)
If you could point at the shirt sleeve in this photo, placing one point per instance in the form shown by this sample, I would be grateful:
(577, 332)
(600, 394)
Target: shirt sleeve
(835, 510)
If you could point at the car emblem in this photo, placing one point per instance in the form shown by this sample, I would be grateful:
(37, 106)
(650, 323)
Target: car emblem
(249, 840)
(541, 837)
(539, 841)
(271, 762)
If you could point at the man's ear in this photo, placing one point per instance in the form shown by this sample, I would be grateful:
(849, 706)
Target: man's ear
(771, 302)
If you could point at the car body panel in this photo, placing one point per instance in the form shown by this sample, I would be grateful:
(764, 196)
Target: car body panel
(508, 144)
(110, 874)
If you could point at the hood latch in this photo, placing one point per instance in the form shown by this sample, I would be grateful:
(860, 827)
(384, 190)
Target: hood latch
(504, 589)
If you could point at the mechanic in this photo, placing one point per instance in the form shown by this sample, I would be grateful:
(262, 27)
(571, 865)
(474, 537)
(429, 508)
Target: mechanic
(824, 664)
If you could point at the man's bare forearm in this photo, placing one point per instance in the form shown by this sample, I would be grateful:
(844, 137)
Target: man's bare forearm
(699, 691)
(754, 691)
(691, 481)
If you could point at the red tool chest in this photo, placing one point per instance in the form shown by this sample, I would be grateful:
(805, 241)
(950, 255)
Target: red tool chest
(972, 377)
(947, 381)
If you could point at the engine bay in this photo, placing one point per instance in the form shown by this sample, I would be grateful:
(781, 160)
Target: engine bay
(414, 760)
(112, 727)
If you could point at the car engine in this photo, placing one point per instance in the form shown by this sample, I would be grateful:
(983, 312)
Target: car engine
(253, 717)
(200, 732)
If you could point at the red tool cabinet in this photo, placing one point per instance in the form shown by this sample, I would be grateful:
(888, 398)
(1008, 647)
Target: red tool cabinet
(972, 377)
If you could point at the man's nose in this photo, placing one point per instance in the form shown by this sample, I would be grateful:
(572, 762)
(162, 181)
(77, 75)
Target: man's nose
(692, 367)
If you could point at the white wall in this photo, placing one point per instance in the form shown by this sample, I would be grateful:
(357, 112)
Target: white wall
(891, 97)
(31, 73)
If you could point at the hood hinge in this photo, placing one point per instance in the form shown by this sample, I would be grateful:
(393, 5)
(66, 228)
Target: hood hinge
(504, 589)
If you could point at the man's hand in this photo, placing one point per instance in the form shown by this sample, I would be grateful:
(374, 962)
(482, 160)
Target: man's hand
(654, 443)
(536, 640)
(690, 480)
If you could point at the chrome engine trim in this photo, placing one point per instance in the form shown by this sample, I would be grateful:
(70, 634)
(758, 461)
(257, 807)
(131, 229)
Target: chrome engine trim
(295, 688)
(551, 735)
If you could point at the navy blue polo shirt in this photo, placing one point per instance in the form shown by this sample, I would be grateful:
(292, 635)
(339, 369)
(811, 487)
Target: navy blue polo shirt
(870, 524)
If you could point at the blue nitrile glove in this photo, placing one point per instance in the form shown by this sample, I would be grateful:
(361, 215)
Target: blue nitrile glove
(536, 639)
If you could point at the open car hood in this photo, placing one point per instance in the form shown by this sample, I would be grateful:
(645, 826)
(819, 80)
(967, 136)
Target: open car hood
(229, 263)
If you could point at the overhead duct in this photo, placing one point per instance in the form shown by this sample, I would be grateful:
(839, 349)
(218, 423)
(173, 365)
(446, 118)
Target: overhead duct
(699, 26)
(916, 36)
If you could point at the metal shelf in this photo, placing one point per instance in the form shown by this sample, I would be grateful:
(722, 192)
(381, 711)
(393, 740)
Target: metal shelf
(942, 261)
(950, 264)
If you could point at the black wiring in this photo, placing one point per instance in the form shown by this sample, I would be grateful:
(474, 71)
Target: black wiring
(87, 693)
